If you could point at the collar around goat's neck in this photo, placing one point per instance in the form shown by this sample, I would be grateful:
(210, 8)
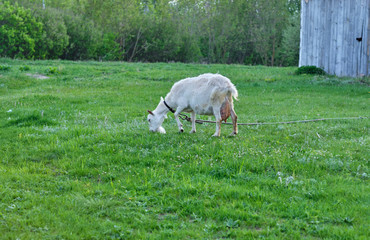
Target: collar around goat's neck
(169, 108)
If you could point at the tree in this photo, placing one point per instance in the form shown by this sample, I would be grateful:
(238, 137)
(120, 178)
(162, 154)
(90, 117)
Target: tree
(291, 40)
(291, 35)
(269, 22)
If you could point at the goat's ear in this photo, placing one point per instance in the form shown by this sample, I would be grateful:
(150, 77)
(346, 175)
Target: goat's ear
(150, 112)
(162, 99)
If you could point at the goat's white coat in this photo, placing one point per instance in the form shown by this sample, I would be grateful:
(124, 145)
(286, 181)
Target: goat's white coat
(201, 95)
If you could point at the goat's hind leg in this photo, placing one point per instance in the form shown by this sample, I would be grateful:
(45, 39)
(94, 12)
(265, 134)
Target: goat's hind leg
(234, 117)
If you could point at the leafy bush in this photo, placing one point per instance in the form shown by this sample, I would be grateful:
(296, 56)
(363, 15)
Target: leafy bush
(160, 42)
(4, 67)
(53, 70)
(24, 68)
(312, 70)
(83, 38)
(189, 50)
(108, 49)
(19, 31)
(54, 37)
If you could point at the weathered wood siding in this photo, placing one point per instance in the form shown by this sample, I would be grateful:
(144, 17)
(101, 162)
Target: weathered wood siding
(335, 36)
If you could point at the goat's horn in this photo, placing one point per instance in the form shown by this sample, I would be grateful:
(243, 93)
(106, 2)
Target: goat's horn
(150, 112)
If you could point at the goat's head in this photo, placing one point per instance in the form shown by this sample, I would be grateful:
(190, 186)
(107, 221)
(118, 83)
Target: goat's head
(155, 122)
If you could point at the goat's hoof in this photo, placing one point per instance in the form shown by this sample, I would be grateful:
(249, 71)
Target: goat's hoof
(233, 134)
(181, 130)
(193, 131)
(215, 135)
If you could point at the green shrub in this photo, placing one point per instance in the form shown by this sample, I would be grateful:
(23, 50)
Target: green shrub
(108, 49)
(24, 68)
(54, 37)
(189, 50)
(312, 70)
(53, 70)
(5, 67)
(161, 43)
(83, 38)
(19, 31)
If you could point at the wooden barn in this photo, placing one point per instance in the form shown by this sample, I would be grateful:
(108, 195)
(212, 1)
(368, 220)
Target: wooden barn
(335, 35)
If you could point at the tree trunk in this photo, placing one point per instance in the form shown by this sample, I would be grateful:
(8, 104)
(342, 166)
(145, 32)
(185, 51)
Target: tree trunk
(273, 51)
(135, 46)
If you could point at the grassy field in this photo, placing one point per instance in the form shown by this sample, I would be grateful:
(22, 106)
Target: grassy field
(77, 160)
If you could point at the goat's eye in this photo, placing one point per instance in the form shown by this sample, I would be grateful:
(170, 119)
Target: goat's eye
(148, 120)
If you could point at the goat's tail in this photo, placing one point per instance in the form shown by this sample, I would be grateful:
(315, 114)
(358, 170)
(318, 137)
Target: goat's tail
(220, 93)
(232, 92)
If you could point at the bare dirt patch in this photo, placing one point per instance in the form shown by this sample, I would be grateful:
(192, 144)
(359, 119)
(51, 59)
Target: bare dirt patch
(37, 76)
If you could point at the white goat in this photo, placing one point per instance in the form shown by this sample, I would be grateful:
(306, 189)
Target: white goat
(203, 95)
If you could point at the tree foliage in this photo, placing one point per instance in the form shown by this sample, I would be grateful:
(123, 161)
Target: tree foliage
(222, 31)
(290, 43)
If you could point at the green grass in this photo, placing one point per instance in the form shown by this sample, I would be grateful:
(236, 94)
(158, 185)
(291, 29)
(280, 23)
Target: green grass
(77, 160)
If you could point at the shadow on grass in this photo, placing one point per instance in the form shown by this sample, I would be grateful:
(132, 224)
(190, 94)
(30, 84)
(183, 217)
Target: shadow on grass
(30, 120)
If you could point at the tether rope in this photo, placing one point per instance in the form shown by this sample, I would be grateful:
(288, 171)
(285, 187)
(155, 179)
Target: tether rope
(185, 117)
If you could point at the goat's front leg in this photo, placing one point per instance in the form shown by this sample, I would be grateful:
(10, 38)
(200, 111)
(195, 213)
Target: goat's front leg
(193, 130)
(177, 113)
(218, 122)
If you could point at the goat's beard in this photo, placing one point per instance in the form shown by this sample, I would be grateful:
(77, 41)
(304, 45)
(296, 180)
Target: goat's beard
(161, 130)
